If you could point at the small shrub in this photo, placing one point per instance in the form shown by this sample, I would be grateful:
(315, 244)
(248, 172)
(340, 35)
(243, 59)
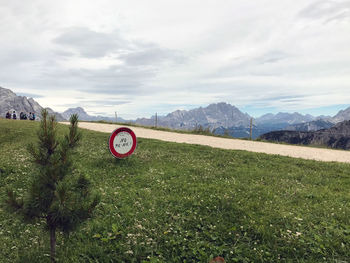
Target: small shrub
(57, 195)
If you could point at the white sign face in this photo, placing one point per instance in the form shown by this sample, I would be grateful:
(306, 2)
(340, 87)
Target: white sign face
(123, 142)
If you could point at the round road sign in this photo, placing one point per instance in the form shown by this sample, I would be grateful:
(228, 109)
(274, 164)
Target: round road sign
(122, 142)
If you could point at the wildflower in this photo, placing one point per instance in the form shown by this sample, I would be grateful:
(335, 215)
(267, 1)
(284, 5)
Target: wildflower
(217, 259)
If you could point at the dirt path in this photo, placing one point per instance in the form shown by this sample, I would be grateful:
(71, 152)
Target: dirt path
(319, 154)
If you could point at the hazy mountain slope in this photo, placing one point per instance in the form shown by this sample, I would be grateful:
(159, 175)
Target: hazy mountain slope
(335, 137)
(310, 126)
(343, 115)
(84, 116)
(284, 118)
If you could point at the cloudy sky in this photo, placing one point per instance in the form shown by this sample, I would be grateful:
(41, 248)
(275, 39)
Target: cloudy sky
(139, 57)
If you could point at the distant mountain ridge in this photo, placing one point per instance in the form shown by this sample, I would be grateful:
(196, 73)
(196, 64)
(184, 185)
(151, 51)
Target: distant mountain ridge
(285, 118)
(227, 119)
(9, 101)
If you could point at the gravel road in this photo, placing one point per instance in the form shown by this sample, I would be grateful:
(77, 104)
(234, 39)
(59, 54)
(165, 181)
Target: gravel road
(319, 154)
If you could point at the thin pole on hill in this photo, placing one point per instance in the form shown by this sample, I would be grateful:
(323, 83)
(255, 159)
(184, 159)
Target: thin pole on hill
(116, 117)
(251, 127)
(232, 123)
(156, 121)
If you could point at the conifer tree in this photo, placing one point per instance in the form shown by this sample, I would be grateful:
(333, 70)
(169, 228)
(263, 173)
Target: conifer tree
(57, 193)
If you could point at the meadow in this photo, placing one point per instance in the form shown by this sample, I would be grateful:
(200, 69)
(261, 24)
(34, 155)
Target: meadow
(184, 203)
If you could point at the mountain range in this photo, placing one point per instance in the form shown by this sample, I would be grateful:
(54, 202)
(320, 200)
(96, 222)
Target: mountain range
(222, 117)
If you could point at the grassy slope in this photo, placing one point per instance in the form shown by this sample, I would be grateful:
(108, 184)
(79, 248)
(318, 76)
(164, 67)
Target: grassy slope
(186, 203)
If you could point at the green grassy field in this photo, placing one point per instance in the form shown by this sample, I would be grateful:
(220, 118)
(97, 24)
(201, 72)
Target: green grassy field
(185, 203)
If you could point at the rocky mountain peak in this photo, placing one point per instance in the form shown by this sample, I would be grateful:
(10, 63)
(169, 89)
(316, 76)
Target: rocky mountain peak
(82, 114)
(6, 93)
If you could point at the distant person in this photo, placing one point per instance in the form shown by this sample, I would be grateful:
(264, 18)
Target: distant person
(25, 116)
(32, 116)
(14, 116)
(8, 115)
(21, 115)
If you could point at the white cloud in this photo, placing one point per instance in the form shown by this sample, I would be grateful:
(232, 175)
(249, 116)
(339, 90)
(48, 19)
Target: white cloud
(160, 54)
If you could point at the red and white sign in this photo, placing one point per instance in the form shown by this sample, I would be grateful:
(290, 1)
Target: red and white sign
(122, 142)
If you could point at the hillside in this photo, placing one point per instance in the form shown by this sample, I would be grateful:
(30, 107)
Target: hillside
(335, 137)
(9, 101)
(174, 202)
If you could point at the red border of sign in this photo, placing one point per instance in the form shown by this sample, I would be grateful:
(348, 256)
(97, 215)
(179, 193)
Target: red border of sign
(111, 139)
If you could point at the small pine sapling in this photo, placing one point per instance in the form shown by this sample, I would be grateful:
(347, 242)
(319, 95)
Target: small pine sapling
(56, 194)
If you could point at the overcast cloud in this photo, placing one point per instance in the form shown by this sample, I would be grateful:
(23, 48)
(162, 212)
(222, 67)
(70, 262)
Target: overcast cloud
(141, 57)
